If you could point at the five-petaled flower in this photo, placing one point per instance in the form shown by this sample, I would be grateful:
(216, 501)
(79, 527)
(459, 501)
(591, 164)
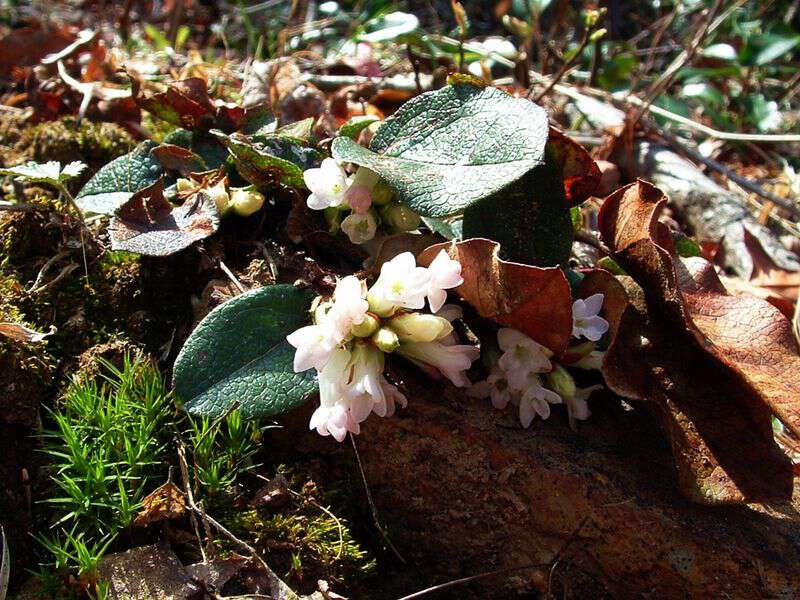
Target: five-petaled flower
(585, 319)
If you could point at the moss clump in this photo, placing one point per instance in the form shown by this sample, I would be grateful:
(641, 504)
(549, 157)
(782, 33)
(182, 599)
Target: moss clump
(66, 140)
(305, 542)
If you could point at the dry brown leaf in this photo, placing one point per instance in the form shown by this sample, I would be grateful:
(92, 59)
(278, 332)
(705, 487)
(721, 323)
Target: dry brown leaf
(767, 275)
(21, 333)
(148, 224)
(163, 504)
(534, 300)
(716, 366)
(581, 174)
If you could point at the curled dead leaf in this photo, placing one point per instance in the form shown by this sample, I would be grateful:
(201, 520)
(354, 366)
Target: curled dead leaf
(20, 333)
(163, 504)
(580, 171)
(534, 300)
(715, 366)
(148, 224)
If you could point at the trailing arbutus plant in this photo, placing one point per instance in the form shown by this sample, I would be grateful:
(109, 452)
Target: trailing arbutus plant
(443, 154)
(484, 172)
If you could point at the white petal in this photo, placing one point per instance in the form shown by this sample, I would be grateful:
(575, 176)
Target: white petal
(436, 299)
(594, 304)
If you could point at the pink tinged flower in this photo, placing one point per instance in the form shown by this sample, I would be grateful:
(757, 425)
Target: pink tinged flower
(359, 198)
(401, 284)
(495, 387)
(349, 306)
(333, 417)
(451, 361)
(521, 356)
(391, 398)
(314, 344)
(335, 421)
(328, 185)
(585, 319)
(445, 274)
(536, 400)
(577, 405)
(360, 228)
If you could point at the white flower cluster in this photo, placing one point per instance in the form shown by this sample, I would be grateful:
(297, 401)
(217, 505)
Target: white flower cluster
(525, 376)
(366, 198)
(355, 329)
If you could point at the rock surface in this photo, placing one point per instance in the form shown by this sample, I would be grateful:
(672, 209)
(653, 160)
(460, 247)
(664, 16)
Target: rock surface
(465, 490)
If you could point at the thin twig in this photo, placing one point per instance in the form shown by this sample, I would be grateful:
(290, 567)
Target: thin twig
(373, 509)
(327, 512)
(187, 488)
(557, 558)
(46, 267)
(13, 206)
(449, 584)
(565, 67)
(232, 277)
(747, 184)
(554, 561)
(682, 59)
(64, 272)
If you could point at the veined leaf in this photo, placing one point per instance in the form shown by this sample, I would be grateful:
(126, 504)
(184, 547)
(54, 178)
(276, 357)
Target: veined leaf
(263, 160)
(239, 353)
(447, 149)
(119, 180)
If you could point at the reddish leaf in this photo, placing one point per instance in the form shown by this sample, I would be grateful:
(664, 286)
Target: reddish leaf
(716, 366)
(185, 103)
(28, 45)
(148, 224)
(534, 300)
(766, 274)
(581, 174)
(177, 158)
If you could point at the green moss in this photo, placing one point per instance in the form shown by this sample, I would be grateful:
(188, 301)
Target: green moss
(67, 140)
(305, 542)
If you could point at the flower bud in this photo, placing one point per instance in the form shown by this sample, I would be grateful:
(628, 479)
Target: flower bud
(417, 327)
(382, 193)
(360, 228)
(379, 305)
(400, 217)
(245, 202)
(386, 340)
(367, 327)
(598, 35)
(560, 381)
(184, 185)
(220, 196)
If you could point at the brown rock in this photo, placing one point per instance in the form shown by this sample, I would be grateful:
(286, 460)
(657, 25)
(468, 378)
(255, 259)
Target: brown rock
(465, 490)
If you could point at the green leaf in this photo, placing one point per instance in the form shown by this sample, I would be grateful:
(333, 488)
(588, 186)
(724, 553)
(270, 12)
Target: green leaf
(206, 147)
(50, 172)
(356, 125)
(766, 48)
(263, 160)
(530, 219)
(119, 180)
(445, 150)
(239, 353)
(450, 230)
